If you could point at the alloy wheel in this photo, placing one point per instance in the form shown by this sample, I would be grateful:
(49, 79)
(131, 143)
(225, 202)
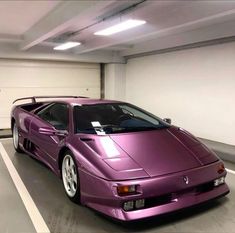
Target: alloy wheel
(69, 175)
(15, 137)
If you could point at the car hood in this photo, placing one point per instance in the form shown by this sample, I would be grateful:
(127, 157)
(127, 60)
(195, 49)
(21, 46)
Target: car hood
(164, 151)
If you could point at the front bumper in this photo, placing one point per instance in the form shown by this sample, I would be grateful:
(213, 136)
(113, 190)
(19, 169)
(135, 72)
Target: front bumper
(180, 203)
(176, 194)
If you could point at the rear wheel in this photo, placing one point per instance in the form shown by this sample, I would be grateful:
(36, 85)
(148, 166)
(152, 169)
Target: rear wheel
(70, 177)
(16, 138)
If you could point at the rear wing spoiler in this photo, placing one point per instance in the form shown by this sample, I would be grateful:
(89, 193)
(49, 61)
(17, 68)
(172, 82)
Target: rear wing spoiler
(33, 98)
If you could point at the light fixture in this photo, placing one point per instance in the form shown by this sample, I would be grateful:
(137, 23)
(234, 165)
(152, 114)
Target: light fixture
(219, 181)
(126, 190)
(220, 168)
(134, 205)
(131, 23)
(139, 203)
(129, 205)
(67, 45)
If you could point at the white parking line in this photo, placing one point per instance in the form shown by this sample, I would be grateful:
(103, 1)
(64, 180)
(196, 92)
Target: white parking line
(230, 171)
(4, 139)
(34, 214)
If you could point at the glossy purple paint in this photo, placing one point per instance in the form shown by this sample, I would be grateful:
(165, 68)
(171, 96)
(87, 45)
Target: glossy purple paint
(156, 160)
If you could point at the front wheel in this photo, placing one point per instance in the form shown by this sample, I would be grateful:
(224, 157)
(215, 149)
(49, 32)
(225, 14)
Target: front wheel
(70, 177)
(16, 138)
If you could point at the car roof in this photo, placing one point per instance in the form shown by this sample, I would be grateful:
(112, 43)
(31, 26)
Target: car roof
(84, 101)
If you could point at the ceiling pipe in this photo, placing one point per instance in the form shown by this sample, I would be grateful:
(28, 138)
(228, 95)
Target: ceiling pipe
(67, 36)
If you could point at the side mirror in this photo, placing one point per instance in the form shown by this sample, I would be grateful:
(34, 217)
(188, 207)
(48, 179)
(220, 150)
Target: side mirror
(167, 120)
(52, 132)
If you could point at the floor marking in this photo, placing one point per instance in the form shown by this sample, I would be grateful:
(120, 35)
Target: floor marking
(230, 171)
(34, 214)
(4, 139)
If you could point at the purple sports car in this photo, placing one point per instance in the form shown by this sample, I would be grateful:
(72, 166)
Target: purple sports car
(117, 158)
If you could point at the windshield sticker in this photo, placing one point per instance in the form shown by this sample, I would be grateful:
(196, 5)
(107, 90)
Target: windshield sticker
(98, 128)
(96, 124)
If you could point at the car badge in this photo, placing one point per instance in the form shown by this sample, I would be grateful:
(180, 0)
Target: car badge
(186, 179)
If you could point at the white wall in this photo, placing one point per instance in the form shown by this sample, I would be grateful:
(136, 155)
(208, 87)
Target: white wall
(30, 78)
(196, 88)
(115, 81)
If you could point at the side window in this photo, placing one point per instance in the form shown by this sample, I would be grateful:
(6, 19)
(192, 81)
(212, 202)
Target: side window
(57, 115)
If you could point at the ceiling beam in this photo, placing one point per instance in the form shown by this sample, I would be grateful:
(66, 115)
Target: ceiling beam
(119, 47)
(10, 38)
(188, 39)
(59, 19)
(10, 51)
(144, 36)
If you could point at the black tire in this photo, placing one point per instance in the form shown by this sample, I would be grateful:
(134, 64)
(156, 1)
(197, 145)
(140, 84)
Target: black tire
(15, 134)
(73, 195)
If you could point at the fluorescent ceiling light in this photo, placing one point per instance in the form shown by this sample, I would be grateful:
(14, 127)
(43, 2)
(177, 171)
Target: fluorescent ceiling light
(131, 23)
(66, 45)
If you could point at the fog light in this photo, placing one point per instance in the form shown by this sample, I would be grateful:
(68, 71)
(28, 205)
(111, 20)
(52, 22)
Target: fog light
(129, 205)
(219, 181)
(139, 203)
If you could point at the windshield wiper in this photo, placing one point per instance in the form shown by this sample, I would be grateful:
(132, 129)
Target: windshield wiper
(117, 128)
(111, 126)
(103, 128)
(143, 128)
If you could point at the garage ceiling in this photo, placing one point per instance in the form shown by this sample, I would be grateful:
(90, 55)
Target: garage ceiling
(16, 17)
(30, 29)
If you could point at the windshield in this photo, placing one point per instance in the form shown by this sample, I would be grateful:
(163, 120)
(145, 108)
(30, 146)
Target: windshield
(114, 118)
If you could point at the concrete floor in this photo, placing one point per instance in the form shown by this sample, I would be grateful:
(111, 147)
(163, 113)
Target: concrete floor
(63, 216)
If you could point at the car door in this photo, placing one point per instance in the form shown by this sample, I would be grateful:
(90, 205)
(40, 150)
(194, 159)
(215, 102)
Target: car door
(53, 118)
